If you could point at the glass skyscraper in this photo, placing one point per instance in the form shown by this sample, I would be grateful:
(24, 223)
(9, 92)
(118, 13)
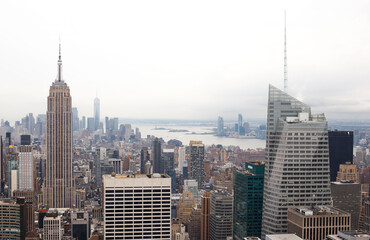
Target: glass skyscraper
(248, 201)
(297, 169)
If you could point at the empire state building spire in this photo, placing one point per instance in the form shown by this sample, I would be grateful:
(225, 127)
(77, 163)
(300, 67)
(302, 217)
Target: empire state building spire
(59, 78)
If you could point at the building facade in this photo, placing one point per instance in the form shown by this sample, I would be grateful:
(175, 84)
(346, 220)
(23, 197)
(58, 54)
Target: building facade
(221, 215)
(316, 223)
(248, 201)
(297, 160)
(347, 197)
(157, 156)
(204, 221)
(197, 162)
(341, 150)
(25, 164)
(58, 188)
(137, 206)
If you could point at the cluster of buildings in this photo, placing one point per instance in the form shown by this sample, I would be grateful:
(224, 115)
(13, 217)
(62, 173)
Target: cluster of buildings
(64, 179)
(240, 129)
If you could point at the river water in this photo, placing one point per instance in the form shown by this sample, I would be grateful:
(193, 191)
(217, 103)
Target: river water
(197, 133)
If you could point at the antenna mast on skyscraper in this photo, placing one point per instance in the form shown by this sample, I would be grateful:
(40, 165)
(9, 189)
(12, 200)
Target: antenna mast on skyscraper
(285, 58)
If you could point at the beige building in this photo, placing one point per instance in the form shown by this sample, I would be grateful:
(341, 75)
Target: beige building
(348, 172)
(316, 223)
(58, 188)
(185, 206)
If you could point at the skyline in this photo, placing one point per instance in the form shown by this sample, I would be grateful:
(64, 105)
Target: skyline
(221, 70)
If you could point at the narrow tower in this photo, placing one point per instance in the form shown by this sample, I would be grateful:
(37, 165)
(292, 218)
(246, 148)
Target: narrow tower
(285, 58)
(58, 188)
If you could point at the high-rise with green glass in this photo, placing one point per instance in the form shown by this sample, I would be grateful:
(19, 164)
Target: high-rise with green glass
(248, 201)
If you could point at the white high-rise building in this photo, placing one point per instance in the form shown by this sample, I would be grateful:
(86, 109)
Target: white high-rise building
(137, 206)
(181, 158)
(297, 160)
(25, 164)
(53, 228)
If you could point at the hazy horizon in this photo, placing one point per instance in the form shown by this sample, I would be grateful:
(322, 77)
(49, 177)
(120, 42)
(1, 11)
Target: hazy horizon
(185, 60)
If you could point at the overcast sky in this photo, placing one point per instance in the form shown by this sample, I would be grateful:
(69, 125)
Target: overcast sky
(185, 59)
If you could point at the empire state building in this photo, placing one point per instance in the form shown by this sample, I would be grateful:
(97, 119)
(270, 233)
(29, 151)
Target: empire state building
(58, 186)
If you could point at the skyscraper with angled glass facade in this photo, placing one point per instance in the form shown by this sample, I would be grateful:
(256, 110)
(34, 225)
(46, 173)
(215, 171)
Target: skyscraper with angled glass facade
(297, 169)
(248, 201)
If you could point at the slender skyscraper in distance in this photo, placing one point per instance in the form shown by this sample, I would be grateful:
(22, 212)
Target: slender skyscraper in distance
(58, 188)
(96, 113)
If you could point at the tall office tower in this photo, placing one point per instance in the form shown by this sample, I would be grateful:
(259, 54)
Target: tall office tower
(240, 120)
(25, 164)
(106, 124)
(12, 220)
(53, 227)
(185, 169)
(197, 162)
(191, 185)
(317, 222)
(240, 130)
(149, 197)
(169, 166)
(347, 197)
(115, 124)
(297, 160)
(181, 153)
(248, 201)
(127, 131)
(100, 156)
(27, 198)
(157, 156)
(348, 172)
(90, 124)
(83, 123)
(220, 215)
(340, 150)
(96, 113)
(220, 127)
(31, 123)
(194, 224)
(2, 161)
(184, 207)
(204, 221)
(58, 188)
(80, 225)
(144, 157)
(75, 120)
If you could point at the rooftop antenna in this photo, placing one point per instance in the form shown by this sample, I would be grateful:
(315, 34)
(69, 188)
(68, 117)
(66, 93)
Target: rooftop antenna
(285, 58)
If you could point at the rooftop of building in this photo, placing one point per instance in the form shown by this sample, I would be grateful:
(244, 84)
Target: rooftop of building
(318, 210)
(344, 182)
(282, 237)
(346, 235)
(133, 175)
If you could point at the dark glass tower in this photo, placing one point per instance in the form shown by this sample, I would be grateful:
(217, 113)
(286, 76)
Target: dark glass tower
(340, 150)
(248, 201)
(157, 157)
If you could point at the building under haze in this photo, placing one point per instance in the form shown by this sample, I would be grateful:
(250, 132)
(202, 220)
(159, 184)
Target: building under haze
(297, 169)
(96, 113)
(58, 188)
